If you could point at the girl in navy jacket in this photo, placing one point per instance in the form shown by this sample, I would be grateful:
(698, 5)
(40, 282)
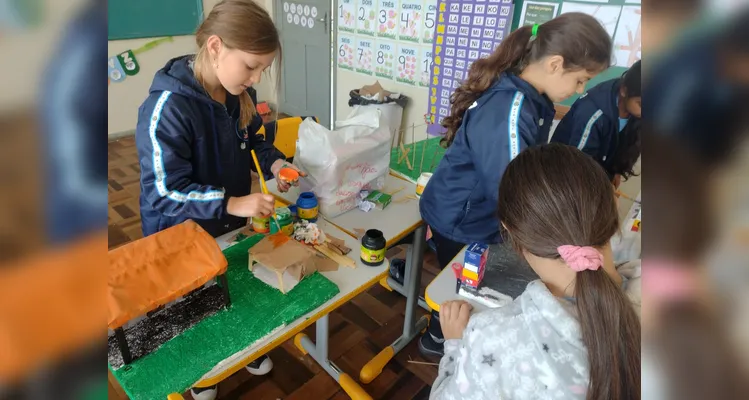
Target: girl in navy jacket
(604, 123)
(197, 127)
(505, 106)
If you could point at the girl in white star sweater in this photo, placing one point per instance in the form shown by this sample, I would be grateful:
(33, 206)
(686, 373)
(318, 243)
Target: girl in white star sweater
(573, 334)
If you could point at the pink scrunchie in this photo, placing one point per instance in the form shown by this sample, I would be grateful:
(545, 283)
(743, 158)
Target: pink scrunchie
(580, 258)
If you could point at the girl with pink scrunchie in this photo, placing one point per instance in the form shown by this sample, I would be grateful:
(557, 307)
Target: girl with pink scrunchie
(575, 332)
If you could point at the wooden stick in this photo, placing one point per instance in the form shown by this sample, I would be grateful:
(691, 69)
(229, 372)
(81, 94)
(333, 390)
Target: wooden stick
(413, 142)
(343, 260)
(434, 158)
(620, 194)
(423, 151)
(393, 193)
(405, 154)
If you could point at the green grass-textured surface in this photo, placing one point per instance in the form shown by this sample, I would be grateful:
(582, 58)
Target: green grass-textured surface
(256, 310)
(432, 157)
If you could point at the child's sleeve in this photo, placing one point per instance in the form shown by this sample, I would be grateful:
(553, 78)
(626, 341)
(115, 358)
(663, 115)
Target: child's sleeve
(496, 136)
(163, 139)
(266, 152)
(462, 362)
(583, 129)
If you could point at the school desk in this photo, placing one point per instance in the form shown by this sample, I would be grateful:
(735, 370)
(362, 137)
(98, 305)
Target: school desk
(506, 273)
(397, 221)
(351, 282)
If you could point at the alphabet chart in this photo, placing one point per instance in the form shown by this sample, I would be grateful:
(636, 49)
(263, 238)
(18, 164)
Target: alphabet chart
(466, 31)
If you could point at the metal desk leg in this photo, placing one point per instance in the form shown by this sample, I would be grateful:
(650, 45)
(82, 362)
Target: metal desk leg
(411, 328)
(320, 353)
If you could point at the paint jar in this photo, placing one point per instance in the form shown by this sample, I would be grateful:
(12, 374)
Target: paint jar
(293, 209)
(373, 248)
(307, 206)
(283, 215)
(261, 224)
(421, 183)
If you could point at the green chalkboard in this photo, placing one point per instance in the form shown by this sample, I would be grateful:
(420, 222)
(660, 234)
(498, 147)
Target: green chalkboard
(132, 19)
(610, 12)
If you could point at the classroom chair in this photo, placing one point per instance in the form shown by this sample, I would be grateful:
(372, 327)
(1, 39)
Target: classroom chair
(284, 133)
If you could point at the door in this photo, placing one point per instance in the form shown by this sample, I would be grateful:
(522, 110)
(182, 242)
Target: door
(306, 68)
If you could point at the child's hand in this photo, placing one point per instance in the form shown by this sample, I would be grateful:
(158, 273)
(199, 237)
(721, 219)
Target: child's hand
(454, 318)
(284, 186)
(254, 205)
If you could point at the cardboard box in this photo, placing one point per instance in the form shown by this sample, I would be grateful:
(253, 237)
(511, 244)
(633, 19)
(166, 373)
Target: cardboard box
(379, 199)
(474, 264)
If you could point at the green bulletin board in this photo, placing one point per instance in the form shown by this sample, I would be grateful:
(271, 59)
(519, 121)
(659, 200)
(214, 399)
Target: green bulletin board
(626, 20)
(132, 19)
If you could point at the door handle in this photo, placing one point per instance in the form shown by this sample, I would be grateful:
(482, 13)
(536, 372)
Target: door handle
(324, 21)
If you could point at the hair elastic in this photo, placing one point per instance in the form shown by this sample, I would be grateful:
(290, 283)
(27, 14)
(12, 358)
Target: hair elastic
(534, 31)
(580, 258)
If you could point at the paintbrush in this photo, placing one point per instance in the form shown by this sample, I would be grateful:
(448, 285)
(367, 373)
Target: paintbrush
(264, 188)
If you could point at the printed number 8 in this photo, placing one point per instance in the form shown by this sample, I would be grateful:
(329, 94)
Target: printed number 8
(380, 57)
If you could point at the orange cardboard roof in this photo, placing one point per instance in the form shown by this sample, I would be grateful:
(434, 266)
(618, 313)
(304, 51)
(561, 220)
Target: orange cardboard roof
(158, 269)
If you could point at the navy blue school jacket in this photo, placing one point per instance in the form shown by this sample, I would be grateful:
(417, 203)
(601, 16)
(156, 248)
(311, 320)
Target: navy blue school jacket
(191, 155)
(460, 201)
(592, 124)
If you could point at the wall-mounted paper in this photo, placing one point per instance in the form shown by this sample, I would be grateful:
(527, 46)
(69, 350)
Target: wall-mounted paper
(627, 41)
(606, 15)
(346, 48)
(425, 66)
(364, 55)
(537, 13)
(384, 59)
(410, 21)
(430, 21)
(346, 13)
(366, 17)
(406, 63)
(387, 19)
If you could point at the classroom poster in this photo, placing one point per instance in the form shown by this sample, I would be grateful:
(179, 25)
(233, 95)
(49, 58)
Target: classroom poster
(366, 17)
(346, 16)
(537, 13)
(469, 31)
(346, 48)
(410, 22)
(384, 59)
(430, 21)
(425, 66)
(364, 55)
(387, 19)
(627, 41)
(605, 14)
(406, 64)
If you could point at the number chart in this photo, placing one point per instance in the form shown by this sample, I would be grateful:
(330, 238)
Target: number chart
(387, 19)
(364, 55)
(384, 59)
(366, 17)
(411, 16)
(466, 31)
(407, 64)
(347, 16)
(346, 48)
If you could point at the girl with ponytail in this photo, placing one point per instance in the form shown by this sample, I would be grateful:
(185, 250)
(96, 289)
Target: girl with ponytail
(505, 106)
(573, 334)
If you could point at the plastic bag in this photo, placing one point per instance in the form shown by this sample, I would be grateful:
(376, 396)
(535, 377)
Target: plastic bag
(341, 163)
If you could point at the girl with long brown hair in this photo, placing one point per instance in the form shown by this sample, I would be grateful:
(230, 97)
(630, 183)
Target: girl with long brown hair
(505, 106)
(197, 127)
(573, 334)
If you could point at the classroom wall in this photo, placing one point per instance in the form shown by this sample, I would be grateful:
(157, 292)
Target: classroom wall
(23, 68)
(125, 97)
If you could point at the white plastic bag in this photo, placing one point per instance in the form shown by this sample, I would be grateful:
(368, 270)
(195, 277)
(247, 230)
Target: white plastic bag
(627, 244)
(341, 163)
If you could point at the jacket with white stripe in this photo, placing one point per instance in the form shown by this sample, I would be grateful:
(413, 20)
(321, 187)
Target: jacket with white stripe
(460, 202)
(191, 153)
(592, 123)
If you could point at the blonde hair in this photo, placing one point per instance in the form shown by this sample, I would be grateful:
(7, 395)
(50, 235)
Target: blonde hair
(242, 25)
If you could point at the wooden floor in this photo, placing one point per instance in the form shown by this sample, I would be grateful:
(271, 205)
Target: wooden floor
(358, 330)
